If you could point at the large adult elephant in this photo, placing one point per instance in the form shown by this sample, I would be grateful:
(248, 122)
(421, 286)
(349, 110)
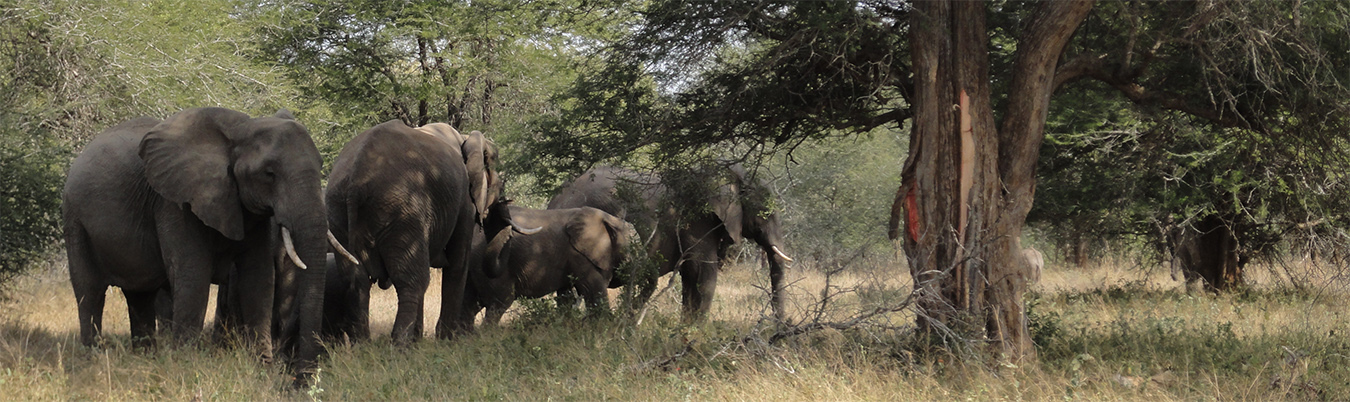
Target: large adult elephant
(403, 199)
(692, 218)
(576, 248)
(207, 194)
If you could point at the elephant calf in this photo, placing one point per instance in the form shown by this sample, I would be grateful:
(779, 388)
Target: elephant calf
(577, 247)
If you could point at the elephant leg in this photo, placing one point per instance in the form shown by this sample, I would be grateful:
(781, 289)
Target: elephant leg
(776, 291)
(359, 325)
(163, 310)
(190, 296)
(89, 299)
(141, 309)
(593, 288)
(566, 298)
(646, 286)
(188, 261)
(254, 289)
(493, 314)
(455, 276)
(469, 309)
(409, 270)
(226, 320)
(90, 290)
(699, 280)
(665, 247)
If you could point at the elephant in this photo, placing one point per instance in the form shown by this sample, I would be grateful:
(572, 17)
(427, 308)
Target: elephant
(691, 218)
(403, 199)
(207, 194)
(1035, 262)
(577, 248)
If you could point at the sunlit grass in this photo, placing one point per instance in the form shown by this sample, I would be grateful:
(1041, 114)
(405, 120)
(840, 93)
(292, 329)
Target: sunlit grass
(1109, 331)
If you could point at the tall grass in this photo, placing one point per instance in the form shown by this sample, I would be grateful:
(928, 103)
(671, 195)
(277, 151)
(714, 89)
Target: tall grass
(1106, 332)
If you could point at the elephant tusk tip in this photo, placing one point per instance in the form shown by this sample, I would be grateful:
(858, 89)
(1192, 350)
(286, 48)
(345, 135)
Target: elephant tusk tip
(529, 231)
(290, 248)
(781, 254)
(337, 246)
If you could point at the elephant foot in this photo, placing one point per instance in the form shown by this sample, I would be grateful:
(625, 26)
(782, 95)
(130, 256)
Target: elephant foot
(143, 343)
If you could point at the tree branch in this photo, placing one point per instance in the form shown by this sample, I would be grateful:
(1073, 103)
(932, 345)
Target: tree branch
(1143, 96)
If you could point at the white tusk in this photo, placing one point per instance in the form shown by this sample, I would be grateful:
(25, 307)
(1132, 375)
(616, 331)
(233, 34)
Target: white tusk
(290, 247)
(780, 254)
(338, 246)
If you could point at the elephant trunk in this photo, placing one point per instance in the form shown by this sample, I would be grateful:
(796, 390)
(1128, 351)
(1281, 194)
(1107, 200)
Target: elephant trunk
(308, 226)
(771, 241)
(494, 261)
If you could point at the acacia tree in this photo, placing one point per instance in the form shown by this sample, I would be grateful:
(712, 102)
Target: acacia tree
(469, 64)
(975, 81)
(969, 180)
(70, 68)
(1235, 140)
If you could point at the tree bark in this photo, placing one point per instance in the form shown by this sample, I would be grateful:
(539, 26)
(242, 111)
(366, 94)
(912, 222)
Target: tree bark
(968, 184)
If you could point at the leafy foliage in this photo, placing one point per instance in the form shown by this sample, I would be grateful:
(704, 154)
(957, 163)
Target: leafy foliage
(69, 68)
(482, 65)
(41, 100)
(1264, 155)
(746, 76)
(836, 195)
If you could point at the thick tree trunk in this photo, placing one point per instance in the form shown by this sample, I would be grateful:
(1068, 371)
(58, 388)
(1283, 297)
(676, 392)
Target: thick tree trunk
(968, 184)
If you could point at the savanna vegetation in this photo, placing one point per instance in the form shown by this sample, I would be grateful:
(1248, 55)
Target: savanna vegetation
(1180, 162)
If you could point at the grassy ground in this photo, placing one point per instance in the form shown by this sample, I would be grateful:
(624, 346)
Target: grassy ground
(1106, 332)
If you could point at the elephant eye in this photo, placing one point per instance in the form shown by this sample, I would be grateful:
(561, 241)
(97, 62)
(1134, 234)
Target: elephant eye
(270, 173)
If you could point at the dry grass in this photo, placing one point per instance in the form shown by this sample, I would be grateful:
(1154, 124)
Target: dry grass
(1107, 332)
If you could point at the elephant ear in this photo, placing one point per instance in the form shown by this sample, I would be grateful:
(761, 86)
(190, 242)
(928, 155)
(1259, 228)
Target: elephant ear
(187, 161)
(726, 204)
(591, 238)
(476, 162)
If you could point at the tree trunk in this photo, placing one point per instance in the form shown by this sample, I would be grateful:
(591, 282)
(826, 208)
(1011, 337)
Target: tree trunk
(967, 184)
(1078, 250)
(1209, 251)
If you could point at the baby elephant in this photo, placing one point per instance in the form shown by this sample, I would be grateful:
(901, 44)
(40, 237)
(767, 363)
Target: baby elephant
(577, 248)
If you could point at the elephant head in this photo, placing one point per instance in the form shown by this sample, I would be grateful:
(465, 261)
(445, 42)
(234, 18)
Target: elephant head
(744, 207)
(498, 228)
(756, 219)
(480, 159)
(232, 172)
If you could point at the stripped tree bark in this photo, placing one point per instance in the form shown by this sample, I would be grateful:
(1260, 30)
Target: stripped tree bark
(968, 182)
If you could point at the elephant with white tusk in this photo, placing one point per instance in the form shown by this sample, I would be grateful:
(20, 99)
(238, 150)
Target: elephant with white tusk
(692, 218)
(203, 196)
(402, 199)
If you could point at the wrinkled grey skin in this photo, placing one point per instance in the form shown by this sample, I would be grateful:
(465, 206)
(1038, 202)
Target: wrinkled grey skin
(200, 196)
(346, 307)
(690, 235)
(346, 311)
(576, 248)
(401, 200)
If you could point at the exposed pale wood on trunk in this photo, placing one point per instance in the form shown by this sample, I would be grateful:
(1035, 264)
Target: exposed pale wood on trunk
(966, 260)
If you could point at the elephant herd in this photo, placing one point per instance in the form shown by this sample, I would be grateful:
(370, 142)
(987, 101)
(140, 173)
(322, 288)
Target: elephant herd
(163, 209)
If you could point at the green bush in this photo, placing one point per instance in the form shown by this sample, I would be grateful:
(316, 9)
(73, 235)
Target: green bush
(30, 203)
